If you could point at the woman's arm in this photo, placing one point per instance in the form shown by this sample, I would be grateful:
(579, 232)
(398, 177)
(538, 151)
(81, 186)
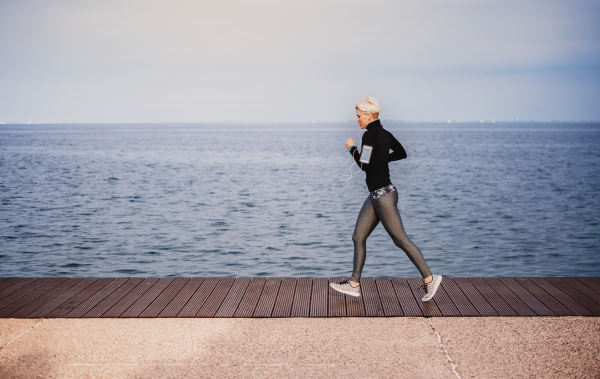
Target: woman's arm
(355, 154)
(398, 151)
(366, 140)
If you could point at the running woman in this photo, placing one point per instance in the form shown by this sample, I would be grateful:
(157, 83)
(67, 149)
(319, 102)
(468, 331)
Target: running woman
(382, 202)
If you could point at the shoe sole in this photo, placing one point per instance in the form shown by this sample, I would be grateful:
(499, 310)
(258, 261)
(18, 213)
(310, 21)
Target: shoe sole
(345, 292)
(435, 288)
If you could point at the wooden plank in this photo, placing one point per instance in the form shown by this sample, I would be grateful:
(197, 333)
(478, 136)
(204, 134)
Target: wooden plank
(110, 299)
(11, 282)
(445, 303)
(595, 280)
(479, 302)
(459, 299)
(337, 301)
(78, 299)
(97, 297)
(562, 297)
(582, 287)
(250, 300)
(527, 297)
(389, 300)
(429, 308)
(21, 289)
(301, 305)
(549, 301)
(214, 301)
(266, 302)
(143, 301)
(495, 300)
(135, 295)
(509, 296)
(591, 283)
(355, 306)
(318, 301)
(46, 297)
(233, 298)
(406, 298)
(165, 297)
(58, 300)
(30, 296)
(198, 299)
(181, 298)
(576, 295)
(285, 298)
(306, 297)
(368, 291)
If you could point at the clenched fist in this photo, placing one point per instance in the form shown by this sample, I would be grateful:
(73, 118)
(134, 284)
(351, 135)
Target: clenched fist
(349, 143)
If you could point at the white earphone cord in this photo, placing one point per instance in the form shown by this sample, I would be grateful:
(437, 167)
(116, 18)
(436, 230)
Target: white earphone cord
(353, 163)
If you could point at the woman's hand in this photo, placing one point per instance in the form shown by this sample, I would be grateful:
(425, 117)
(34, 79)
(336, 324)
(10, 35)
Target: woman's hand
(349, 143)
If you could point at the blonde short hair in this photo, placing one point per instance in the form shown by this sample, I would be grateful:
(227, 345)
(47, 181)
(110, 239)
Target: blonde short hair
(368, 105)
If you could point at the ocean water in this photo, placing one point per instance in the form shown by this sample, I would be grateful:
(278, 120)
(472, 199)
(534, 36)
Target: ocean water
(267, 200)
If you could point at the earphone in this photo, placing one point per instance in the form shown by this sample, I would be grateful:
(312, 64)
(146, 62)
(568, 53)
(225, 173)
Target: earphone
(353, 163)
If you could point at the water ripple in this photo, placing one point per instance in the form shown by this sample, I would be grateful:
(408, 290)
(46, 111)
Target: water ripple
(266, 200)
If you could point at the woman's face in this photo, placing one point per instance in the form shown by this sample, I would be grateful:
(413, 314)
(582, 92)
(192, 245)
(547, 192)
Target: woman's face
(363, 119)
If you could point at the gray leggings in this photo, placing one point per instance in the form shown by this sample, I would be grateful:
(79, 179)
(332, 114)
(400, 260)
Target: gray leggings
(384, 209)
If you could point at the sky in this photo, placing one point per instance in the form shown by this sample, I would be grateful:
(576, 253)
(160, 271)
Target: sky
(111, 61)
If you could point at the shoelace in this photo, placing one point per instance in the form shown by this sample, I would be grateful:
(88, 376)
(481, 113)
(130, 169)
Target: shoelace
(425, 286)
(346, 282)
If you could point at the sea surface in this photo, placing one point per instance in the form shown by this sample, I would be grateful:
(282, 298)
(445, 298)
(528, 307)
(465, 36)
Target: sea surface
(502, 199)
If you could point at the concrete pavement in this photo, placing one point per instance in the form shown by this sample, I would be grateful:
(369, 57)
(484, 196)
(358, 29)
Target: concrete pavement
(542, 347)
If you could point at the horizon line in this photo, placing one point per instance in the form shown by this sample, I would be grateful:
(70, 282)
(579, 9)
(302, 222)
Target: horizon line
(448, 121)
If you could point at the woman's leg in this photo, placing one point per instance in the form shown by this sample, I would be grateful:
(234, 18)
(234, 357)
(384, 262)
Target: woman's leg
(366, 222)
(386, 208)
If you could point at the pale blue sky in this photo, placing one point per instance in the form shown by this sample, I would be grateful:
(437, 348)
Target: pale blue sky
(255, 61)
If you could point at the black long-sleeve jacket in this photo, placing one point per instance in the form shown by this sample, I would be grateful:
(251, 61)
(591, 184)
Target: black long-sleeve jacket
(377, 170)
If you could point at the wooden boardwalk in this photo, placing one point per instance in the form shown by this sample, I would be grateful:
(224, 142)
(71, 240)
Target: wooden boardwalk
(294, 297)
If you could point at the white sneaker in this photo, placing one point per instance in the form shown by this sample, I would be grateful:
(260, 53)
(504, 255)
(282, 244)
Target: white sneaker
(347, 288)
(431, 287)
